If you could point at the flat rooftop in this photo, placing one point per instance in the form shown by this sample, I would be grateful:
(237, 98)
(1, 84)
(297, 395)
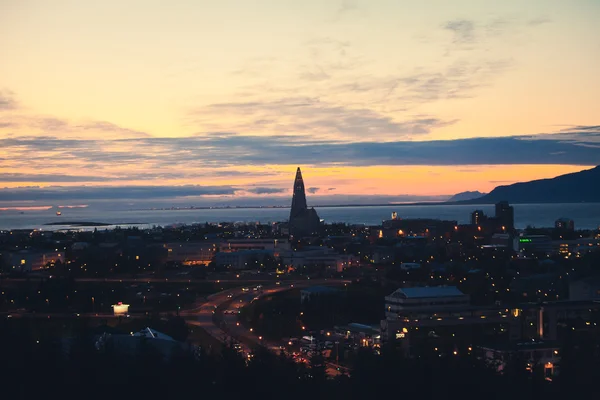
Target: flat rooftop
(428, 292)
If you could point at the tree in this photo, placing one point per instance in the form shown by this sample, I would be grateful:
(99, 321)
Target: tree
(4, 267)
(578, 367)
(177, 328)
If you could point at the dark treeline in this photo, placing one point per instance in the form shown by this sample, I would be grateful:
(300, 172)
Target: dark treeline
(40, 367)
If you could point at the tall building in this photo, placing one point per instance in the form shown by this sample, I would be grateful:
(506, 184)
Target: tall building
(565, 224)
(304, 221)
(505, 214)
(477, 217)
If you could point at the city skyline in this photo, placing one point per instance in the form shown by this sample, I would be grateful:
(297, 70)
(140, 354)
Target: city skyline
(378, 101)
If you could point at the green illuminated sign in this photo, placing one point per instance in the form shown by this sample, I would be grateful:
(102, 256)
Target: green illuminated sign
(524, 240)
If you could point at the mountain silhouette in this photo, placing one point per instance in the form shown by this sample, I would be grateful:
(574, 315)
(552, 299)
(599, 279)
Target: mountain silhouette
(577, 187)
(468, 195)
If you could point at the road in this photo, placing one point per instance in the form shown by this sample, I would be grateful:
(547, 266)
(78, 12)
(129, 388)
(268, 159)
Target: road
(21, 314)
(206, 314)
(241, 280)
(218, 316)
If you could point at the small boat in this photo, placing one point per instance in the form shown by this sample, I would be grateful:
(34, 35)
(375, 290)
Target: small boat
(58, 213)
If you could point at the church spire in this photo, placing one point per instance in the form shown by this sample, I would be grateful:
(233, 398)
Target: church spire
(299, 197)
(303, 221)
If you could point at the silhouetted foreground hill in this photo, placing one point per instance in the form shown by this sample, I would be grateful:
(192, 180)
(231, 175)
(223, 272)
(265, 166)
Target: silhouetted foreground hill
(578, 187)
(75, 368)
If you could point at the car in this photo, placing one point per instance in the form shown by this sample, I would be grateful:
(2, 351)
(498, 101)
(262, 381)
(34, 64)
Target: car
(230, 295)
(245, 289)
(278, 283)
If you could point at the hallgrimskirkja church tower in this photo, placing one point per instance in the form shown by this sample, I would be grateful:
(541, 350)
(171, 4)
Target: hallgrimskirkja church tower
(304, 221)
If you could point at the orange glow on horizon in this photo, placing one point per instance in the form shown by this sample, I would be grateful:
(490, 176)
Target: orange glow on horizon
(102, 106)
(371, 180)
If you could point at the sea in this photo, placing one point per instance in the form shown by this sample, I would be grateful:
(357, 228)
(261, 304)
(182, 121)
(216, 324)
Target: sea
(585, 215)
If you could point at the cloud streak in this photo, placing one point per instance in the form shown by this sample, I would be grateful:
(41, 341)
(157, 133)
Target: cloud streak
(294, 116)
(346, 7)
(463, 30)
(38, 125)
(217, 155)
(265, 190)
(7, 100)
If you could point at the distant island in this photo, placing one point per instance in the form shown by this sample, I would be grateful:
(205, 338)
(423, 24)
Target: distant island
(577, 187)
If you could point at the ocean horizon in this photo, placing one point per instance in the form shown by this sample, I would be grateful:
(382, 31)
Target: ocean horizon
(585, 215)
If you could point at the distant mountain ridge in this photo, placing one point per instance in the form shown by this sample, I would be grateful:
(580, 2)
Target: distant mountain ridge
(468, 195)
(577, 187)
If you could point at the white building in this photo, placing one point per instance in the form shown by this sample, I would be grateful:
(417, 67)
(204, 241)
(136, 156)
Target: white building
(319, 256)
(424, 300)
(275, 245)
(192, 253)
(534, 244)
(121, 309)
(130, 344)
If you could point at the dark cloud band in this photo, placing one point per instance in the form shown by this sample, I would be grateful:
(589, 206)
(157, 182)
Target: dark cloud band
(574, 147)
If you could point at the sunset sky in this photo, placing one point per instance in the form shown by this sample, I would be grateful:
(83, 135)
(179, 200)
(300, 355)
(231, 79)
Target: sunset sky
(217, 100)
